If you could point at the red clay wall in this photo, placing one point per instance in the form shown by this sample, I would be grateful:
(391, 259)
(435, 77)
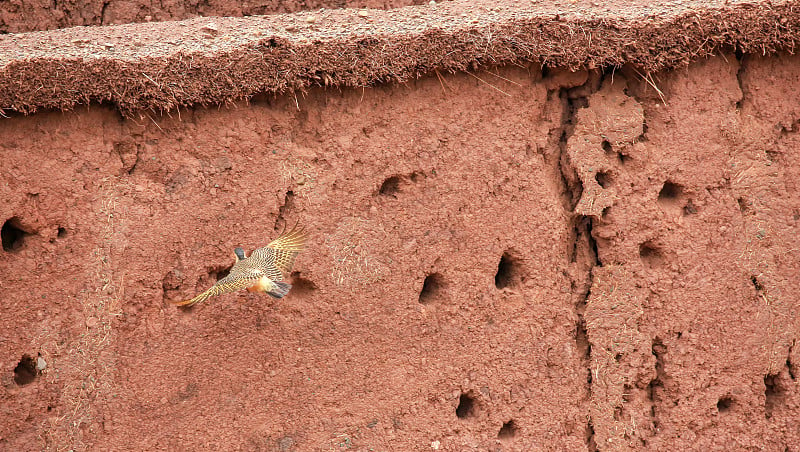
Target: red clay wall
(609, 267)
(511, 257)
(17, 16)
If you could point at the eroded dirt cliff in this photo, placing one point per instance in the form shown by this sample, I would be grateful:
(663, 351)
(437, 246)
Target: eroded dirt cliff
(498, 261)
(514, 258)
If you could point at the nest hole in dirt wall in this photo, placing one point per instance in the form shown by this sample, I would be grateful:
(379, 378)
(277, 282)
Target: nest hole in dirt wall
(390, 186)
(13, 235)
(25, 371)
(651, 255)
(604, 179)
(672, 196)
(302, 286)
(432, 288)
(217, 273)
(508, 430)
(670, 190)
(467, 406)
(509, 273)
(725, 404)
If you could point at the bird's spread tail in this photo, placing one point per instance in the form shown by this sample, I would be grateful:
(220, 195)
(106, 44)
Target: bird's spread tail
(280, 290)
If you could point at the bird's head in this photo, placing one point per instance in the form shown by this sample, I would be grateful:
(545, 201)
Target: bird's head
(239, 252)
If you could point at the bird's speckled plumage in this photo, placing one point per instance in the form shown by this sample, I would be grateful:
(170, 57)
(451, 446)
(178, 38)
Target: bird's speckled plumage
(262, 271)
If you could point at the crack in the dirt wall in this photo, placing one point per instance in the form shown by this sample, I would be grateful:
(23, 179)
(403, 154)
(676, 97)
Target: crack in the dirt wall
(740, 58)
(284, 210)
(571, 190)
(103, 11)
(607, 307)
(656, 384)
(778, 388)
(128, 153)
(571, 187)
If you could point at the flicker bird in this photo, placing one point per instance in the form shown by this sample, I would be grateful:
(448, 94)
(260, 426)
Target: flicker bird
(262, 271)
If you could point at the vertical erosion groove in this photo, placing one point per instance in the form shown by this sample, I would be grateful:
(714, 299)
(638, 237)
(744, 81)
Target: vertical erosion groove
(656, 385)
(572, 100)
(740, 76)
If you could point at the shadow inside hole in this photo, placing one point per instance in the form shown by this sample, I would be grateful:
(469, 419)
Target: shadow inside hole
(603, 178)
(431, 288)
(25, 372)
(61, 233)
(725, 404)
(390, 186)
(508, 430)
(651, 256)
(466, 406)
(756, 284)
(670, 193)
(12, 234)
(507, 272)
(745, 206)
(218, 273)
(607, 147)
(302, 286)
(773, 393)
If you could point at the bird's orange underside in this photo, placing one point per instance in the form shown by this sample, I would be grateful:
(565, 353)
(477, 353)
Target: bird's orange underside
(261, 286)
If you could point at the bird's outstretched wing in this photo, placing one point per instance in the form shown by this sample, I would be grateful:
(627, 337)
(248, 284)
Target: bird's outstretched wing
(282, 251)
(230, 283)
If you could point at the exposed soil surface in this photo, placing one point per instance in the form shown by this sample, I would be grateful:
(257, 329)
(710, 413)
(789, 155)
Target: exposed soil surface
(498, 261)
(398, 184)
(515, 258)
(163, 66)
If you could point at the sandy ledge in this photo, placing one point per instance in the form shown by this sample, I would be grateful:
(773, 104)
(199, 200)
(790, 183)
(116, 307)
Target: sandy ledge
(161, 66)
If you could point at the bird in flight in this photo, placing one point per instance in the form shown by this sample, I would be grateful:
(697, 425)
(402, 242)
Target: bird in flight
(262, 271)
